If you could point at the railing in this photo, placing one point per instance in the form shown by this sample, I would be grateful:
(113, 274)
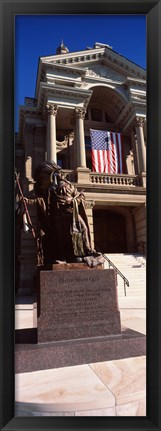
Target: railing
(115, 179)
(107, 179)
(126, 282)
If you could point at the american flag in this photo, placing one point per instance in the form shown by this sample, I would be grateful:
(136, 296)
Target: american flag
(107, 151)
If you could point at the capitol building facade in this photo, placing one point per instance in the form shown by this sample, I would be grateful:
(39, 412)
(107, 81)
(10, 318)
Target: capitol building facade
(76, 93)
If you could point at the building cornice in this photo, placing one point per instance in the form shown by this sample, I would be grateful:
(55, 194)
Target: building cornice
(65, 68)
(104, 193)
(33, 112)
(94, 54)
(48, 90)
(86, 54)
(135, 81)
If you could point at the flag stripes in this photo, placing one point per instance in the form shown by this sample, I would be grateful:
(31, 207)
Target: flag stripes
(107, 151)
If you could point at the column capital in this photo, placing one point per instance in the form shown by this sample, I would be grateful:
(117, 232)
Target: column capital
(89, 204)
(51, 109)
(139, 122)
(80, 113)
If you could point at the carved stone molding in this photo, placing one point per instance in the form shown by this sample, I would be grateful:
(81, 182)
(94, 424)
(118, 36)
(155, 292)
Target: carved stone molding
(80, 113)
(89, 204)
(100, 71)
(139, 122)
(84, 85)
(51, 110)
(91, 72)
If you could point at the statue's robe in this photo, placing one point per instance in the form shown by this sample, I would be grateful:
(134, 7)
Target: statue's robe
(63, 230)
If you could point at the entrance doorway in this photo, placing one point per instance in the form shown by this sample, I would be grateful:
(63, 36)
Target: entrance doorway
(109, 231)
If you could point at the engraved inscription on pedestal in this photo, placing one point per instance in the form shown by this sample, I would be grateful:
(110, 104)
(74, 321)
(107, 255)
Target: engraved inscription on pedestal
(77, 304)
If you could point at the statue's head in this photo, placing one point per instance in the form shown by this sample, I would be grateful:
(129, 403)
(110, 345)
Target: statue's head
(54, 166)
(46, 174)
(56, 176)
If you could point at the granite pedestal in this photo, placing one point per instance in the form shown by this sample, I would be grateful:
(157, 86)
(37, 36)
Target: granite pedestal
(78, 321)
(77, 304)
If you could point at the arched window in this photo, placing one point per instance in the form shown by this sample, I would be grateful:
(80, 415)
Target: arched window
(96, 114)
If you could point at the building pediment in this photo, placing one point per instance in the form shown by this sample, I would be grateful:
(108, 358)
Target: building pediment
(96, 75)
(101, 71)
(100, 62)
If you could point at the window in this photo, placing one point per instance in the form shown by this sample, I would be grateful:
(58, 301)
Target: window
(96, 115)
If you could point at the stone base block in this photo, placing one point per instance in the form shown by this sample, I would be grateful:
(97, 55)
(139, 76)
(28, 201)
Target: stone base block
(77, 304)
(33, 357)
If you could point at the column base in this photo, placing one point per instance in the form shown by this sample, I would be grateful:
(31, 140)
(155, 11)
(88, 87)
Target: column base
(143, 179)
(82, 175)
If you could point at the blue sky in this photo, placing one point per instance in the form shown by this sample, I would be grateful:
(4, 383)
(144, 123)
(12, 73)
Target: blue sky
(39, 35)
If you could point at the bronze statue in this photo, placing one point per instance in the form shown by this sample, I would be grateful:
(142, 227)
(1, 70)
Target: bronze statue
(63, 231)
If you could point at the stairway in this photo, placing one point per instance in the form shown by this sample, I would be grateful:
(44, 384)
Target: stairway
(133, 267)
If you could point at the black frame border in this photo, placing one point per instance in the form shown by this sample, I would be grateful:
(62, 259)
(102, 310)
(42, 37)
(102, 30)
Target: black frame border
(152, 10)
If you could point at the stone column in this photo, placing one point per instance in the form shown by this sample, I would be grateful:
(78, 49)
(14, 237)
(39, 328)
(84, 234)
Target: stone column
(71, 151)
(51, 132)
(29, 137)
(80, 141)
(135, 151)
(139, 124)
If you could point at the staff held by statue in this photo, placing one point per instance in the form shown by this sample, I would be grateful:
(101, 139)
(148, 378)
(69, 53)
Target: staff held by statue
(27, 220)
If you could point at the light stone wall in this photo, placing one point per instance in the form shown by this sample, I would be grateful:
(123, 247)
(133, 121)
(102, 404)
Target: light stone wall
(140, 223)
(34, 145)
(39, 146)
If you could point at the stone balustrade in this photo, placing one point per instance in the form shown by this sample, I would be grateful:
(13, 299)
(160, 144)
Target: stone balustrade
(115, 179)
(101, 178)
